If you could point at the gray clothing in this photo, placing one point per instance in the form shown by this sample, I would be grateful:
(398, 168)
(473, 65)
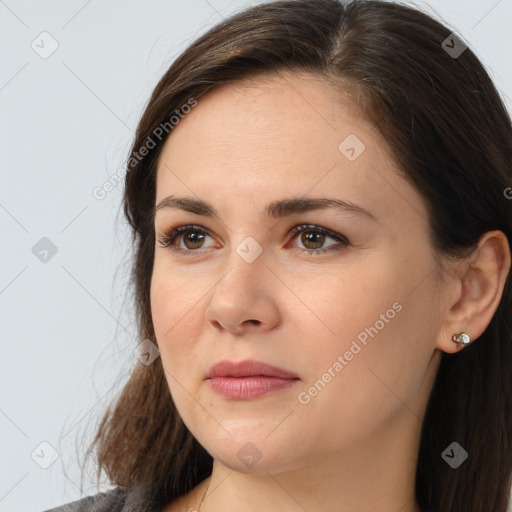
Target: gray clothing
(119, 499)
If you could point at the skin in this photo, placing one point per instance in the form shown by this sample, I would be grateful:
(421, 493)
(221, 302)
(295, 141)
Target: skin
(354, 445)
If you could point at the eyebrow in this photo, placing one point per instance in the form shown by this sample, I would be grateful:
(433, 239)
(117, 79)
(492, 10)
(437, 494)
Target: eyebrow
(275, 209)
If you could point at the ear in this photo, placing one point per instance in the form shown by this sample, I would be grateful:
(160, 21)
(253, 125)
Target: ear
(475, 286)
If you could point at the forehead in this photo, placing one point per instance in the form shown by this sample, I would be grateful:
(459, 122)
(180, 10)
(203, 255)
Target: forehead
(281, 136)
(268, 118)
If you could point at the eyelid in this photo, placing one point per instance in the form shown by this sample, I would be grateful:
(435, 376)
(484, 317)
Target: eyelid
(167, 238)
(320, 229)
(169, 235)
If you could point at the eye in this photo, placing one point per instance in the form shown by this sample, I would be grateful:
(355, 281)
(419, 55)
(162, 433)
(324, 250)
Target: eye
(312, 237)
(192, 236)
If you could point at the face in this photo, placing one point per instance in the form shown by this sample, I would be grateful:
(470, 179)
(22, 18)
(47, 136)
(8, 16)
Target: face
(347, 305)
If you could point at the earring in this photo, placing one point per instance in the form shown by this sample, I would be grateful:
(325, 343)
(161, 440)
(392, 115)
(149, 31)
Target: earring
(461, 339)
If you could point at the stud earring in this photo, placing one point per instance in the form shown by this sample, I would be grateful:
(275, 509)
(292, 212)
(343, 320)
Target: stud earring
(461, 339)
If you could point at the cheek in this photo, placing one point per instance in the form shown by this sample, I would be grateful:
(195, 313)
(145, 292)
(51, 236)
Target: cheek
(175, 308)
(354, 387)
(381, 325)
(343, 305)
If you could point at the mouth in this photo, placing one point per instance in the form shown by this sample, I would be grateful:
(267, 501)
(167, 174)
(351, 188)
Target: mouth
(248, 368)
(245, 388)
(248, 379)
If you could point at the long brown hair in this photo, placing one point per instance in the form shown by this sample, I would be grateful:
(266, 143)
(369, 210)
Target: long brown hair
(448, 129)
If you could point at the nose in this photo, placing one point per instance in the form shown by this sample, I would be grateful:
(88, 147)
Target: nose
(244, 298)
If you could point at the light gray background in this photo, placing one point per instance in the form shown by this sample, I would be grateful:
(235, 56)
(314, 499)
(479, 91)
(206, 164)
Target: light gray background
(66, 125)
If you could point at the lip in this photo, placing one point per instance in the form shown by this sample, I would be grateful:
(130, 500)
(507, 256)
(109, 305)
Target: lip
(248, 379)
(247, 368)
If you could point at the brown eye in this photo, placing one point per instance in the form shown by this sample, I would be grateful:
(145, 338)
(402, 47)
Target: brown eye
(313, 239)
(192, 238)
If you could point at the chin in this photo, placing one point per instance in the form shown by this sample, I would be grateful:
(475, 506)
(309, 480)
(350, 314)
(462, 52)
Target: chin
(250, 452)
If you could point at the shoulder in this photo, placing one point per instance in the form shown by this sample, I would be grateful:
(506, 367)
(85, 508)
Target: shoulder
(119, 499)
(112, 500)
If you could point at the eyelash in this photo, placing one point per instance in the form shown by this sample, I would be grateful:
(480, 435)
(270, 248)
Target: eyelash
(167, 239)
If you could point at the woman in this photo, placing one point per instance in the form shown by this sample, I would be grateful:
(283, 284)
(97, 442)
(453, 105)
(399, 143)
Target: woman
(320, 202)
